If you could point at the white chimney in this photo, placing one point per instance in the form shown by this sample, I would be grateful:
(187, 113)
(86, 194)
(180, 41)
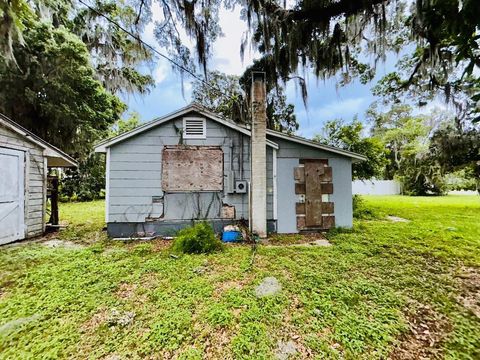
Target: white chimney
(258, 184)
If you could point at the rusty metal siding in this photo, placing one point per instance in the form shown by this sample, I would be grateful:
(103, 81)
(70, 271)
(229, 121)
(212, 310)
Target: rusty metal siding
(136, 166)
(35, 189)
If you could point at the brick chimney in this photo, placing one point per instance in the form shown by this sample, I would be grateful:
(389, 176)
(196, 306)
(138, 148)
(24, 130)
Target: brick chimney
(258, 184)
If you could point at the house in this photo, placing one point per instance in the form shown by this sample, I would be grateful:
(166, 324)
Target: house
(24, 163)
(192, 164)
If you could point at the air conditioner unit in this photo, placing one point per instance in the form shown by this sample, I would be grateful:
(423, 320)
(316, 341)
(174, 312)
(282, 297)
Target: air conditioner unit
(241, 186)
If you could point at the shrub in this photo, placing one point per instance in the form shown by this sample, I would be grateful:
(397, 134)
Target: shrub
(361, 210)
(197, 239)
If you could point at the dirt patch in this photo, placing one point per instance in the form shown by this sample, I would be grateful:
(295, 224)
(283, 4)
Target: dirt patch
(223, 287)
(56, 243)
(293, 239)
(469, 297)
(160, 244)
(315, 243)
(92, 324)
(126, 291)
(110, 317)
(427, 331)
(216, 342)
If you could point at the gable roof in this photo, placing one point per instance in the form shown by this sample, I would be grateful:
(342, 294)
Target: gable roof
(244, 129)
(55, 156)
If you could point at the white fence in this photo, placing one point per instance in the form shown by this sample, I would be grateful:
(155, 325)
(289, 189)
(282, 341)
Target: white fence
(376, 187)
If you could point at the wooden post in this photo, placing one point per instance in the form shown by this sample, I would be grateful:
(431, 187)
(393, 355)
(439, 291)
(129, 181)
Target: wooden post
(53, 190)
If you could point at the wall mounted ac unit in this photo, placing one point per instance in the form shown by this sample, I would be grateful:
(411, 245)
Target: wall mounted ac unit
(241, 186)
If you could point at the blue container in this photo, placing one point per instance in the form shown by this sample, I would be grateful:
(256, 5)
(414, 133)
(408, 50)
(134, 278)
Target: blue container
(231, 236)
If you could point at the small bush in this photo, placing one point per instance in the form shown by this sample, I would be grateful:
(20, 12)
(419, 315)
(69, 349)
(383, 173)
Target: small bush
(197, 239)
(361, 210)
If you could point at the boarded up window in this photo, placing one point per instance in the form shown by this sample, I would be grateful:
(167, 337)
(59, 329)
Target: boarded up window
(192, 168)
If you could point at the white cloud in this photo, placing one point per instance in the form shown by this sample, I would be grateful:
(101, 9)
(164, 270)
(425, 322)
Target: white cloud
(161, 71)
(226, 54)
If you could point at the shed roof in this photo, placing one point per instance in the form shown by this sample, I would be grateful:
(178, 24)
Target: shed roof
(55, 156)
(245, 129)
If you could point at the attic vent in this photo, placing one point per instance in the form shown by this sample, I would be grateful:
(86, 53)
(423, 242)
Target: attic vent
(194, 128)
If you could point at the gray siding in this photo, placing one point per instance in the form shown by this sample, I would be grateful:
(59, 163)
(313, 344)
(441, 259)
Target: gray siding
(135, 175)
(35, 180)
(288, 157)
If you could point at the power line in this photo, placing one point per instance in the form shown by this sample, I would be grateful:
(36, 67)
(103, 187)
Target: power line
(136, 37)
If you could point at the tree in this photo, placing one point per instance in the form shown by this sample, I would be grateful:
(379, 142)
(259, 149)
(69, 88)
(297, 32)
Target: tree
(233, 101)
(409, 140)
(348, 136)
(456, 150)
(13, 14)
(445, 38)
(87, 182)
(52, 90)
(228, 102)
(124, 125)
(115, 55)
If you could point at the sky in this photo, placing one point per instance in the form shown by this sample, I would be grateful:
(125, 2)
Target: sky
(325, 101)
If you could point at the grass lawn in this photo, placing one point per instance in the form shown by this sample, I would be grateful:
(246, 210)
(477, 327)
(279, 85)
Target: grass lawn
(386, 289)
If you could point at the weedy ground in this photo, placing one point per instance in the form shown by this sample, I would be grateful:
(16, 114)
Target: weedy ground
(386, 289)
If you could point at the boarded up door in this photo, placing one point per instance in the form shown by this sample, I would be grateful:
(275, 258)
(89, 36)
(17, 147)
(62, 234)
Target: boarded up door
(314, 180)
(11, 195)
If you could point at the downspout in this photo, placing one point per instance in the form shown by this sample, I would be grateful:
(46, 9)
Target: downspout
(258, 157)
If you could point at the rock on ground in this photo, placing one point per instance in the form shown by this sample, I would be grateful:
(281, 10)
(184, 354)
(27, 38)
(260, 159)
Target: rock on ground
(15, 324)
(268, 287)
(285, 350)
(117, 318)
(321, 242)
(397, 219)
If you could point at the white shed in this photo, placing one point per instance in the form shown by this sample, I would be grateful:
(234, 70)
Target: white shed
(24, 163)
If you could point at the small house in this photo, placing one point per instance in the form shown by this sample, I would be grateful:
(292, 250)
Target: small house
(24, 163)
(194, 165)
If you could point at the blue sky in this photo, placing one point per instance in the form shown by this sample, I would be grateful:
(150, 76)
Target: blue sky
(325, 101)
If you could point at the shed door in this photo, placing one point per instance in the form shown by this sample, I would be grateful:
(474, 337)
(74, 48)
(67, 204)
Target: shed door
(12, 190)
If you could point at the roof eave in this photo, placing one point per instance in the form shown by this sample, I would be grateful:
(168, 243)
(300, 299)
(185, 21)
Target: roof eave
(48, 149)
(354, 156)
(103, 145)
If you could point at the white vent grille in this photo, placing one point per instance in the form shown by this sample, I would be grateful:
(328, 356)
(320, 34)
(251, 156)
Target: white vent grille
(194, 128)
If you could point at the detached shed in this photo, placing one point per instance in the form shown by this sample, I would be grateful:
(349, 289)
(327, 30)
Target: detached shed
(192, 165)
(24, 163)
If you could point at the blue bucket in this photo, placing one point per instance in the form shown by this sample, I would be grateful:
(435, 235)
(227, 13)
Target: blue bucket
(231, 236)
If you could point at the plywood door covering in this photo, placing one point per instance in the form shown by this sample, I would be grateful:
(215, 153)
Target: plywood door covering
(192, 168)
(12, 193)
(313, 180)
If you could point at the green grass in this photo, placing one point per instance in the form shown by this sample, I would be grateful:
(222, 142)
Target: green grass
(354, 300)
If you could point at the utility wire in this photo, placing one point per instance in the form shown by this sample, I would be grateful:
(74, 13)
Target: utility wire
(136, 37)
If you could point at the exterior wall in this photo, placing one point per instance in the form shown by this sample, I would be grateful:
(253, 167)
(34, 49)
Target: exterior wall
(288, 156)
(134, 176)
(35, 180)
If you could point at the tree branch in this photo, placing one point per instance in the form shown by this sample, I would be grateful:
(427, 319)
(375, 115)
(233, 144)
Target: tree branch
(322, 13)
(139, 12)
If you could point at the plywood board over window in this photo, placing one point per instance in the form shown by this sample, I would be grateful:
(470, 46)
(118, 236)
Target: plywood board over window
(192, 168)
